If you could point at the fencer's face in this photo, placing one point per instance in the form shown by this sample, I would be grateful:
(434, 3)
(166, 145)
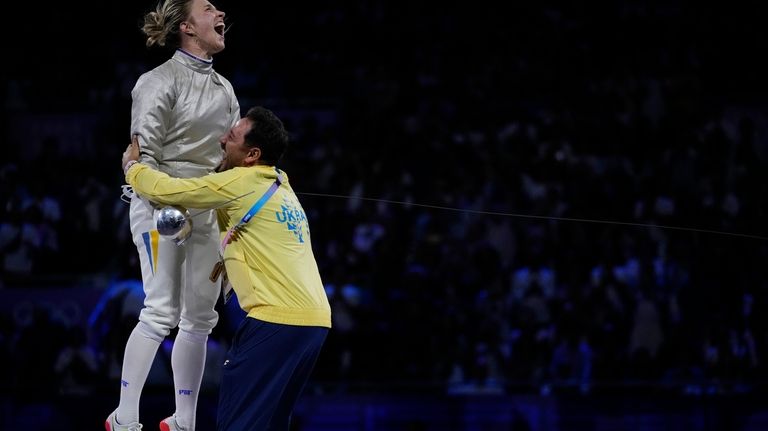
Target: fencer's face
(233, 144)
(206, 26)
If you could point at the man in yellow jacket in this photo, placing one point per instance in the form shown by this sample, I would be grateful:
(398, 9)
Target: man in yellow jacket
(267, 253)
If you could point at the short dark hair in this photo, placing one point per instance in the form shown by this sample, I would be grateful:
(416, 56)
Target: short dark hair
(267, 133)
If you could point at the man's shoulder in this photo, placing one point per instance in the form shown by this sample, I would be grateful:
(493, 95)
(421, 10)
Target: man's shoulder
(255, 174)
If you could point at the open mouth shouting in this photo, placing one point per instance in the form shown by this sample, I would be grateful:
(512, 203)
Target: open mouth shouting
(220, 29)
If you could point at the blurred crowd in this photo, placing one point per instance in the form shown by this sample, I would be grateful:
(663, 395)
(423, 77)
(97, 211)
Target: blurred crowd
(554, 195)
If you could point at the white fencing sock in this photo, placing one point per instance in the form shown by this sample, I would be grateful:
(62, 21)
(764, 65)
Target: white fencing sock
(188, 362)
(140, 351)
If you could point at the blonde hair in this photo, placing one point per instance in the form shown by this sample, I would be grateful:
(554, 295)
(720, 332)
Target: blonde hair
(162, 25)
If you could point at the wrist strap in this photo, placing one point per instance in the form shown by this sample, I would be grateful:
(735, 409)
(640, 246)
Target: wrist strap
(128, 165)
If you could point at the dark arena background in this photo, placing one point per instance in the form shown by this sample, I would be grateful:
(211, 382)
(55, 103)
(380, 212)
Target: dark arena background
(528, 215)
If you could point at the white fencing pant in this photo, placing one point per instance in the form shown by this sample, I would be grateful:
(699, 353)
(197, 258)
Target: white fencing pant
(176, 284)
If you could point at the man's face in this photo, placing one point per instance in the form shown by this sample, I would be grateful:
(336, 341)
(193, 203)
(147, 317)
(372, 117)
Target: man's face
(233, 144)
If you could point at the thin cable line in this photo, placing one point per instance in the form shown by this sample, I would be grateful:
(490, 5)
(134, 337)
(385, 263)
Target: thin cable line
(222, 204)
(530, 216)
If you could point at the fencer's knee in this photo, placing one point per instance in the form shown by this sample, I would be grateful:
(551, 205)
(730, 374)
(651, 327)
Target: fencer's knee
(192, 337)
(151, 332)
(158, 324)
(201, 324)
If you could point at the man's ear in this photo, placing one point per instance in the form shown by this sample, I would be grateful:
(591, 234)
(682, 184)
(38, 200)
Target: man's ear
(253, 156)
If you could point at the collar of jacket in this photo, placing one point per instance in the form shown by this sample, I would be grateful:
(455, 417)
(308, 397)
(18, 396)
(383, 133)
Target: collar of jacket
(193, 62)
